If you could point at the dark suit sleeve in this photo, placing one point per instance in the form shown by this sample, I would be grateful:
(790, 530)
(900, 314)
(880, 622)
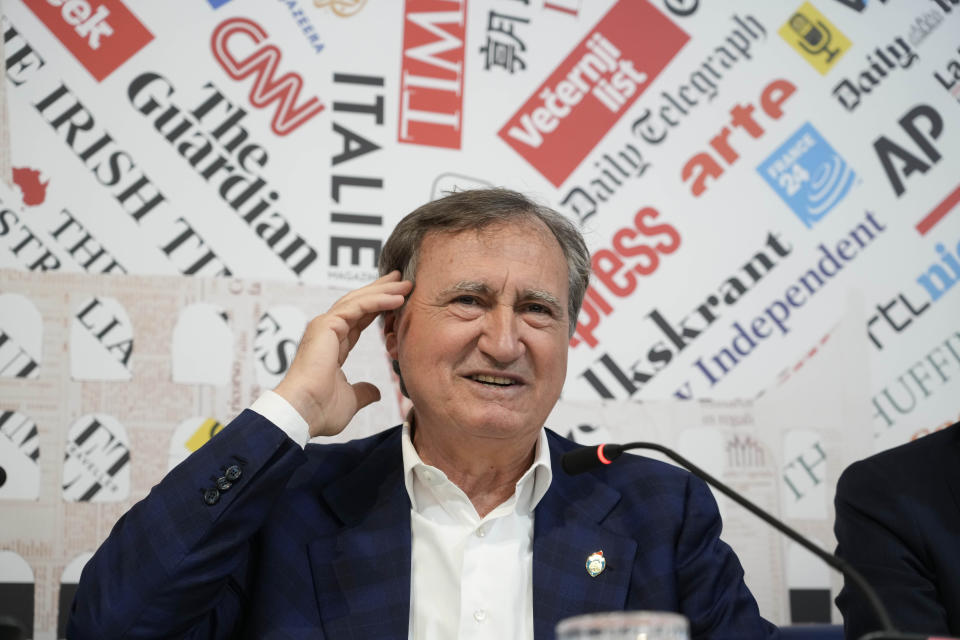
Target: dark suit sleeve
(175, 564)
(878, 532)
(712, 592)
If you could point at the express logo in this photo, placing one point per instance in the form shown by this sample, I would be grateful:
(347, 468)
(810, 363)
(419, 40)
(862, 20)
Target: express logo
(101, 35)
(815, 38)
(586, 95)
(262, 63)
(808, 175)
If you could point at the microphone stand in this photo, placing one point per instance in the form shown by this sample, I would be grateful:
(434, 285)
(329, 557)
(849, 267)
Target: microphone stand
(607, 453)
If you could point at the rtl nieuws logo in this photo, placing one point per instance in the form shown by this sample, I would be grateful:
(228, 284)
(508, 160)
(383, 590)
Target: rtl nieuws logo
(592, 88)
(102, 34)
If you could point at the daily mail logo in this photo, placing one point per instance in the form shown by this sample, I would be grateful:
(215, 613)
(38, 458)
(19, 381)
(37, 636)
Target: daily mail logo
(591, 89)
(101, 34)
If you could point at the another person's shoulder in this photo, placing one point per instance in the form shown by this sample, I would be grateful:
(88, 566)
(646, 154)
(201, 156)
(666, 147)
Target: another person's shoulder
(905, 465)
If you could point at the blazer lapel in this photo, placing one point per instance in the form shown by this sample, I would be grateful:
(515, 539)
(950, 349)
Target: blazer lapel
(567, 529)
(369, 558)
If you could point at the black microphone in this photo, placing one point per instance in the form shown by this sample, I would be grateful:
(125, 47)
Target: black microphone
(587, 458)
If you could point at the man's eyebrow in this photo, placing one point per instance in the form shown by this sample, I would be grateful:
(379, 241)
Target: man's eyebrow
(467, 286)
(541, 296)
(473, 286)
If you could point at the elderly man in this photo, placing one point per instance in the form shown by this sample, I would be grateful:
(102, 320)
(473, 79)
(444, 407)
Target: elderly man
(457, 524)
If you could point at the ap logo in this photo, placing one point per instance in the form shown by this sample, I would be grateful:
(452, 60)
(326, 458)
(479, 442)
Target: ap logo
(808, 174)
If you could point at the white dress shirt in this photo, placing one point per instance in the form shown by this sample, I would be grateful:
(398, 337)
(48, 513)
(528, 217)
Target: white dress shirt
(471, 577)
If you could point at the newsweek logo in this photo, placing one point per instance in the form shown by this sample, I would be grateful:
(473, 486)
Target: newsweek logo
(431, 76)
(101, 34)
(585, 96)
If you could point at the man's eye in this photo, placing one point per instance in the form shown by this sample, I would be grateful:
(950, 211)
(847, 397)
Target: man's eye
(539, 308)
(467, 300)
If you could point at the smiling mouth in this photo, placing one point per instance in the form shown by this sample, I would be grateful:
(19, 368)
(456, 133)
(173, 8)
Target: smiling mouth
(495, 381)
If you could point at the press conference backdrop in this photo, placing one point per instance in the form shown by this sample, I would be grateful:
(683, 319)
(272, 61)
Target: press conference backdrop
(759, 182)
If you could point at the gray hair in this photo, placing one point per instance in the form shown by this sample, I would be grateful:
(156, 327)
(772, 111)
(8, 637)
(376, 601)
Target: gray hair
(477, 209)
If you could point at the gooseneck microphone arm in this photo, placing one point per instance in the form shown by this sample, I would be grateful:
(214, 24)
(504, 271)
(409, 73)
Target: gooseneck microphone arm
(586, 458)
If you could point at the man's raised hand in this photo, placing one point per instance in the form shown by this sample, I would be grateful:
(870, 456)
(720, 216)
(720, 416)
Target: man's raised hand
(315, 384)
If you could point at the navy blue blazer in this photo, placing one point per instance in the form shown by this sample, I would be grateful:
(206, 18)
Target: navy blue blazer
(898, 523)
(316, 544)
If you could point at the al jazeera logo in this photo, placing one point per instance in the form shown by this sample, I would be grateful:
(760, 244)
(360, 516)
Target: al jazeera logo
(342, 8)
(815, 38)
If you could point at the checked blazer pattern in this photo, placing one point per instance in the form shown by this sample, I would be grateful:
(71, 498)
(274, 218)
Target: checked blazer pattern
(316, 544)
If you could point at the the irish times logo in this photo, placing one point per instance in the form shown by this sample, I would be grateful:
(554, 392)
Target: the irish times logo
(808, 174)
(814, 37)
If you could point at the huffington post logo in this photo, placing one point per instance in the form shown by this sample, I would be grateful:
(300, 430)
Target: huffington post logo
(814, 37)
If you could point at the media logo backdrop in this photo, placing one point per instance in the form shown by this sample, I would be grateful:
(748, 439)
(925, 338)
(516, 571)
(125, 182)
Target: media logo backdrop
(751, 179)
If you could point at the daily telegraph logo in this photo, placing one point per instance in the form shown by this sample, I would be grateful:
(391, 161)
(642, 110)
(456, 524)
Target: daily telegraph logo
(808, 174)
(262, 63)
(586, 95)
(815, 38)
(102, 35)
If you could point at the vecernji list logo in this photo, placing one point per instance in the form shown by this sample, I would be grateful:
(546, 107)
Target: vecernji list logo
(263, 63)
(102, 34)
(815, 38)
(808, 175)
(431, 75)
(592, 88)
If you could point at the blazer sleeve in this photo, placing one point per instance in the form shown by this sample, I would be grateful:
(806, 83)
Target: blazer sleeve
(710, 582)
(174, 565)
(880, 535)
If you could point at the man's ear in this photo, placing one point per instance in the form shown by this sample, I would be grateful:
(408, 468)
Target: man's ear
(390, 332)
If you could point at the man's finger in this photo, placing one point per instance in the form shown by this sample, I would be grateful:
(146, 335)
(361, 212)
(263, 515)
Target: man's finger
(365, 393)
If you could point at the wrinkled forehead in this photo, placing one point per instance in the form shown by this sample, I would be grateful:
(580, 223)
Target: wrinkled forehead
(534, 232)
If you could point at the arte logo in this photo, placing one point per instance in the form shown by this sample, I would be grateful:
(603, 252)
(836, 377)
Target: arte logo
(102, 34)
(431, 75)
(262, 63)
(808, 174)
(592, 88)
(815, 38)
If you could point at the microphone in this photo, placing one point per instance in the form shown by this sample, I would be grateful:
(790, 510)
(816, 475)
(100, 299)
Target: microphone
(587, 458)
(811, 36)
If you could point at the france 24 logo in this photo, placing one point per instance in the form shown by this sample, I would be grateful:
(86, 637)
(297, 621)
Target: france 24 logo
(808, 174)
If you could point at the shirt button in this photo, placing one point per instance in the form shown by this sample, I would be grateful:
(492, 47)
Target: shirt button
(481, 532)
(479, 615)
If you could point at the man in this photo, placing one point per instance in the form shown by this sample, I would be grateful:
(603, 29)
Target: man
(898, 523)
(459, 523)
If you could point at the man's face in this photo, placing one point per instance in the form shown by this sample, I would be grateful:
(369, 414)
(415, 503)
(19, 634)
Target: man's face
(482, 340)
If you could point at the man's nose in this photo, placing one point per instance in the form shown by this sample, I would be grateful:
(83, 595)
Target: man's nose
(501, 336)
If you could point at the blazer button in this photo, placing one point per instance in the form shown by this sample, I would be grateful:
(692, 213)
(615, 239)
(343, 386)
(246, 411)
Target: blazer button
(233, 473)
(223, 484)
(211, 496)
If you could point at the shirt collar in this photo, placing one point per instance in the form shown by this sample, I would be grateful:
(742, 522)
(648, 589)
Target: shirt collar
(531, 487)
